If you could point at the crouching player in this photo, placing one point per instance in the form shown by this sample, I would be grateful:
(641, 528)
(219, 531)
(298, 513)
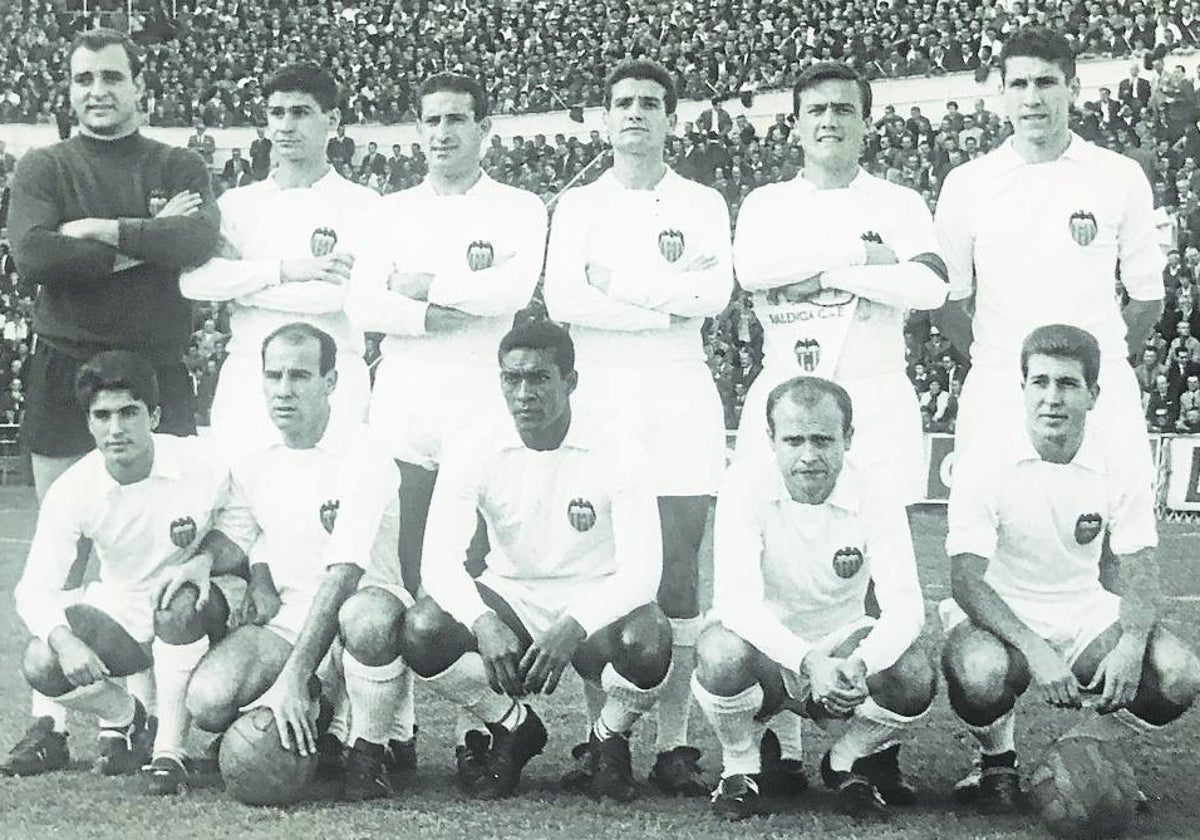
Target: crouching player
(575, 562)
(146, 502)
(321, 511)
(797, 538)
(1026, 523)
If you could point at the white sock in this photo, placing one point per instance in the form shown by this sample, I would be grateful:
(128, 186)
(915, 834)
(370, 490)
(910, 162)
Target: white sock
(105, 699)
(624, 702)
(404, 722)
(871, 730)
(373, 691)
(465, 722)
(333, 683)
(42, 706)
(789, 729)
(173, 667)
(999, 736)
(142, 686)
(675, 701)
(593, 694)
(732, 719)
(465, 683)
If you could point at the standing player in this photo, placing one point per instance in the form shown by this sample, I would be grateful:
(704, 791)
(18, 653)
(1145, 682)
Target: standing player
(466, 253)
(636, 261)
(575, 560)
(1026, 517)
(291, 244)
(145, 501)
(320, 510)
(835, 259)
(797, 539)
(1034, 233)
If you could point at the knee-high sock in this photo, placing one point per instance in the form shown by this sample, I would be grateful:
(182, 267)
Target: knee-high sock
(594, 696)
(624, 703)
(733, 721)
(333, 686)
(105, 699)
(998, 736)
(374, 693)
(142, 686)
(173, 667)
(675, 701)
(789, 729)
(404, 722)
(871, 729)
(465, 683)
(42, 706)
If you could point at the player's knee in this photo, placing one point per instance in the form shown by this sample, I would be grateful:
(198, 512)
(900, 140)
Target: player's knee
(644, 646)
(426, 627)
(41, 669)
(976, 666)
(370, 622)
(1177, 672)
(724, 661)
(178, 623)
(908, 687)
(211, 701)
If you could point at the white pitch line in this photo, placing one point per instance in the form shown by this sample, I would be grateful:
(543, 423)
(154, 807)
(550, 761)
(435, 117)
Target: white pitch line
(21, 540)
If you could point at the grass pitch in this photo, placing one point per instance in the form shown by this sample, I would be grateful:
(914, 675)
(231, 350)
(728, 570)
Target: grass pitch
(78, 804)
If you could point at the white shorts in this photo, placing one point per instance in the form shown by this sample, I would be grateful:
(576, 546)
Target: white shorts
(888, 439)
(797, 686)
(537, 604)
(1069, 626)
(419, 408)
(133, 609)
(296, 603)
(673, 411)
(240, 421)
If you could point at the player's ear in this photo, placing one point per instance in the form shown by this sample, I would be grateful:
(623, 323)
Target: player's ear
(1094, 392)
(155, 417)
(572, 379)
(331, 379)
(848, 437)
(485, 126)
(672, 120)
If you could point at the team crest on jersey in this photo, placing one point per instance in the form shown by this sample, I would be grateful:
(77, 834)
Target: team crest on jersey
(183, 531)
(808, 354)
(329, 512)
(671, 244)
(480, 255)
(322, 241)
(156, 201)
(872, 236)
(1088, 527)
(847, 561)
(581, 515)
(1083, 227)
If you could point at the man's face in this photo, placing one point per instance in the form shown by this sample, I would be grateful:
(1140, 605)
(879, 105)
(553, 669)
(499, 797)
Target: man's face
(104, 94)
(1057, 399)
(121, 427)
(1184, 330)
(297, 392)
(1149, 357)
(830, 125)
(298, 126)
(809, 446)
(1038, 98)
(637, 118)
(449, 131)
(537, 393)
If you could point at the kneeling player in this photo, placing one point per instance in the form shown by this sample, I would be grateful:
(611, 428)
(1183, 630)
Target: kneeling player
(1026, 519)
(319, 508)
(575, 562)
(797, 539)
(145, 501)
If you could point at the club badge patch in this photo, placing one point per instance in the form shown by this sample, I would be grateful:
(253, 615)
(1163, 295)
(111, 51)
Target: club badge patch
(581, 515)
(808, 354)
(322, 241)
(329, 512)
(1083, 227)
(671, 244)
(847, 561)
(1087, 527)
(183, 531)
(480, 255)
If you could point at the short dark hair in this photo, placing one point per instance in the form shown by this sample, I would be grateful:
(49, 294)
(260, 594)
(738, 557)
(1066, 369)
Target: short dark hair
(1062, 341)
(808, 391)
(95, 40)
(296, 332)
(825, 71)
(116, 370)
(541, 334)
(641, 68)
(1039, 42)
(455, 83)
(304, 77)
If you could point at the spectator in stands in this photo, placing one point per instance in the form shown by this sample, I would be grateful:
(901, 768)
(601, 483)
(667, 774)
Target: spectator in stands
(12, 403)
(934, 403)
(1185, 339)
(373, 164)
(260, 155)
(236, 171)
(340, 148)
(1147, 372)
(1190, 397)
(202, 143)
(1181, 366)
(1162, 408)
(1189, 421)
(714, 120)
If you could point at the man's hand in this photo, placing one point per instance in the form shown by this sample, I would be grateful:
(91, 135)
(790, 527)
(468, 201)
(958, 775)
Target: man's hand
(79, 663)
(1051, 675)
(186, 203)
(295, 712)
(878, 254)
(331, 268)
(261, 603)
(413, 284)
(500, 650)
(599, 277)
(1121, 671)
(100, 230)
(444, 318)
(835, 683)
(542, 665)
(197, 571)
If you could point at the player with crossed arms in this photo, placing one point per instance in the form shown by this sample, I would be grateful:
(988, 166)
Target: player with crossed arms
(1026, 520)
(836, 257)
(636, 261)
